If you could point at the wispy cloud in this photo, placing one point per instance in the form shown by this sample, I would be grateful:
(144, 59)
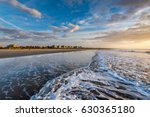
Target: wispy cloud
(23, 7)
(16, 34)
(9, 23)
(59, 29)
(73, 2)
(96, 21)
(69, 28)
(73, 28)
(136, 33)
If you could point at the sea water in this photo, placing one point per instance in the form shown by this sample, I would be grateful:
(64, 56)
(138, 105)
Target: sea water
(110, 75)
(89, 75)
(22, 77)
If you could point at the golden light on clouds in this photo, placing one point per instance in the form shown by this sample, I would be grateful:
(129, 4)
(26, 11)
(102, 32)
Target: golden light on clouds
(123, 45)
(138, 36)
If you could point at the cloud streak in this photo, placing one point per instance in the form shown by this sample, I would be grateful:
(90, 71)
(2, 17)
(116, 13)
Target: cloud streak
(73, 28)
(23, 8)
(137, 33)
(9, 23)
(98, 21)
(70, 28)
(15, 34)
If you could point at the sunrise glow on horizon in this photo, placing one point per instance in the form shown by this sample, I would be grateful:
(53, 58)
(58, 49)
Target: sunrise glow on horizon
(87, 23)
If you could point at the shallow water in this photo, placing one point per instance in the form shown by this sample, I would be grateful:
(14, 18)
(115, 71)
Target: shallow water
(90, 75)
(110, 75)
(22, 77)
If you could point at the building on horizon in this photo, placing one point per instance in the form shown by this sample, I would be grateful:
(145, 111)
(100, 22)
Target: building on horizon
(15, 46)
(12, 46)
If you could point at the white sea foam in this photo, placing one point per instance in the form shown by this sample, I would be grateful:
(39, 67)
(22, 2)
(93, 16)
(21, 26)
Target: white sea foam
(22, 77)
(110, 75)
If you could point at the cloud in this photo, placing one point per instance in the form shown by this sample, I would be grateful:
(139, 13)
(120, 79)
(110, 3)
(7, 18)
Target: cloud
(23, 7)
(133, 3)
(15, 34)
(133, 6)
(102, 13)
(55, 28)
(82, 22)
(118, 17)
(8, 30)
(73, 2)
(136, 33)
(73, 28)
(69, 28)
(145, 17)
(9, 23)
(63, 31)
(59, 29)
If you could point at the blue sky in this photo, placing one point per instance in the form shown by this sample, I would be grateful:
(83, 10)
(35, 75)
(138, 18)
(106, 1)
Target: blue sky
(94, 23)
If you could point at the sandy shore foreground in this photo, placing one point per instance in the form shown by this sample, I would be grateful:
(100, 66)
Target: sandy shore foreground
(7, 53)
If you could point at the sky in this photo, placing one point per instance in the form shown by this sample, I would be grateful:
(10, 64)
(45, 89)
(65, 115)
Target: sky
(88, 23)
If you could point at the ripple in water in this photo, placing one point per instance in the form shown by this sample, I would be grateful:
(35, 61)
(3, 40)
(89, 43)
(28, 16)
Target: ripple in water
(22, 77)
(110, 75)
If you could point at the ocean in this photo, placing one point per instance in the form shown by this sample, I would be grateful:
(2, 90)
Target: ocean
(82, 75)
(22, 77)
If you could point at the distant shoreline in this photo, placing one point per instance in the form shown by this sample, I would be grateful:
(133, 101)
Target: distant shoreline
(9, 53)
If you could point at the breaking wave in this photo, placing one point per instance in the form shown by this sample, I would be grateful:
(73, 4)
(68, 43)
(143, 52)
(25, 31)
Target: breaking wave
(110, 75)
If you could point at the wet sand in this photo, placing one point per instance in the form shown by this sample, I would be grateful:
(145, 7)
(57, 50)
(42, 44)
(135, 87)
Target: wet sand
(7, 53)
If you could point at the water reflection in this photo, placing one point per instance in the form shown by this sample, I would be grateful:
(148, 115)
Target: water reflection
(22, 77)
(110, 75)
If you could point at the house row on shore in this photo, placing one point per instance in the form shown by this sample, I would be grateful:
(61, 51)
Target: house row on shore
(64, 46)
(14, 46)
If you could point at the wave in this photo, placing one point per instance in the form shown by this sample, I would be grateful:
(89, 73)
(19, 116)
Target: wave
(147, 51)
(108, 76)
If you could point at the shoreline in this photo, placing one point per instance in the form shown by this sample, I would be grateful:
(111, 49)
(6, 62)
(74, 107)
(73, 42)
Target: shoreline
(10, 53)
